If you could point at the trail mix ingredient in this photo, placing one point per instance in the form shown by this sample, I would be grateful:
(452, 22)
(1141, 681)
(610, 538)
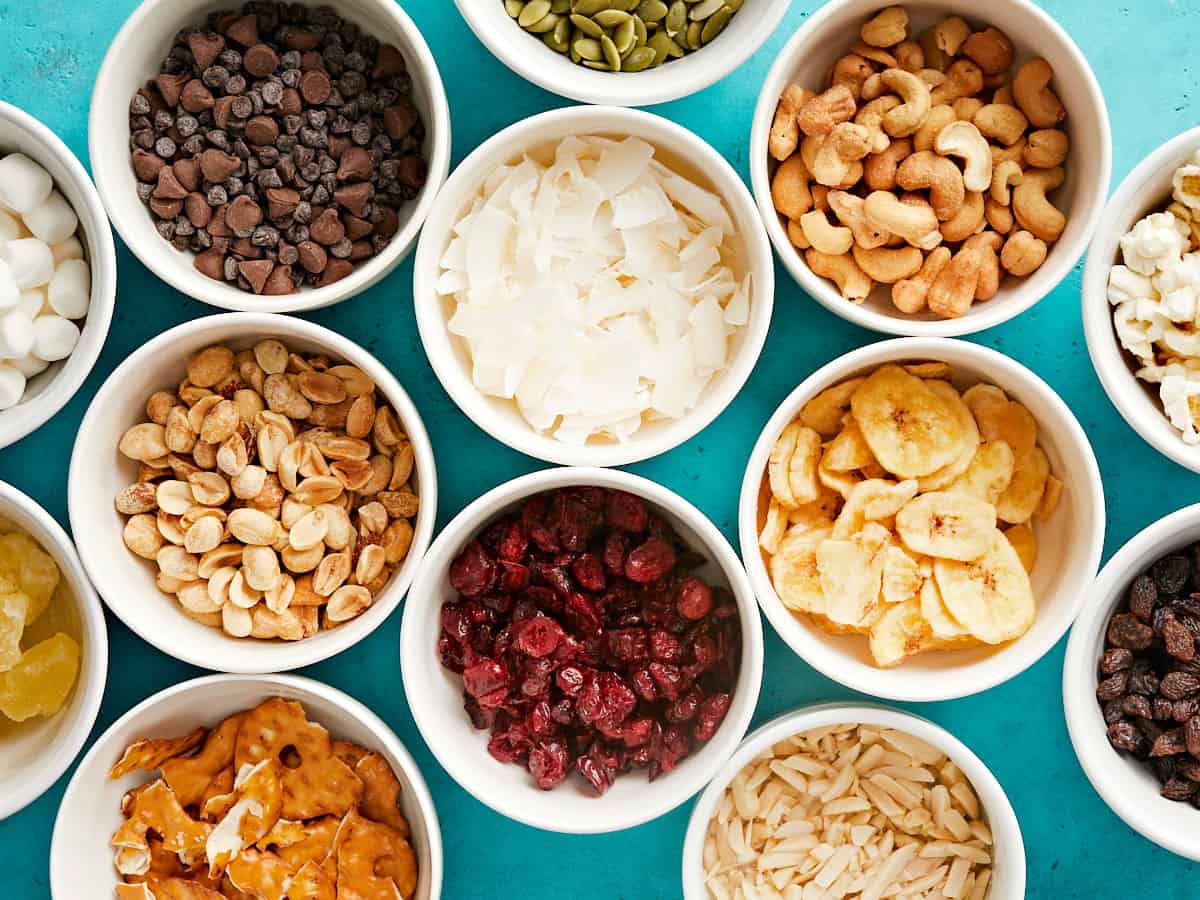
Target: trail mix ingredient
(266, 804)
(902, 510)
(623, 35)
(279, 144)
(45, 283)
(583, 641)
(849, 810)
(34, 680)
(1149, 674)
(934, 161)
(595, 287)
(274, 493)
(1154, 293)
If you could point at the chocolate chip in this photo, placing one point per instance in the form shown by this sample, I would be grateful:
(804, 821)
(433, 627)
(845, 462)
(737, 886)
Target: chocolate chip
(311, 61)
(388, 61)
(399, 119)
(301, 39)
(245, 249)
(243, 216)
(261, 61)
(256, 272)
(412, 171)
(242, 107)
(282, 202)
(196, 97)
(168, 187)
(146, 166)
(315, 86)
(139, 105)
(355, 197)
(243, 30)
(206, 47)
(287, 254)
(236, 85)
(272, 93)
(335, 271)
(196, 208)
(262, 130)
(342, 249)
(265, 236)
(279, 282)
(216, 165)
(356, 165)
(388, 224)
(188, 173)
(210, 263)
(361, 250)
(291, 104)
(170, 87)
(166, 209)
(356, 228)
(312, 256)
(327, 229)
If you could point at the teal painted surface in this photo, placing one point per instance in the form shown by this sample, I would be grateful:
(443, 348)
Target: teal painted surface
(1143, 53)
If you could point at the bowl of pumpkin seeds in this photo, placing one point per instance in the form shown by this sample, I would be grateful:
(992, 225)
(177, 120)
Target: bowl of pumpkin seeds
(623, 52)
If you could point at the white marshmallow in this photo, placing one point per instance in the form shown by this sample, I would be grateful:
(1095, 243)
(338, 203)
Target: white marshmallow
(54, 337)
(16, 334)
(29, 365)
(68, 249)
(10, 227)
(33, 302)
(31, 261)
(24, 184)
(53, 220)
(70, 290)
(12, 387)
(10, 294)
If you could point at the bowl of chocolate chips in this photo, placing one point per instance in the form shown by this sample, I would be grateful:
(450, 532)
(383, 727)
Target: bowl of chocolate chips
(271, 156)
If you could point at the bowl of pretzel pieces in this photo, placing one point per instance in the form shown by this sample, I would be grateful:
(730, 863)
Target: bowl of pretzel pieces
(234, 786)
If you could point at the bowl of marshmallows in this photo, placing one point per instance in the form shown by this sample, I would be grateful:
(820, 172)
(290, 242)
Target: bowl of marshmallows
(57, 274)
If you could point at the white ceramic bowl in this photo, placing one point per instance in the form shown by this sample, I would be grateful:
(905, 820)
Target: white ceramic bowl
(134, 58)
(435, 694)
(49, 391)
(1008, 864)
(526, 55)
(98, 472)
(828, 35)
(1070, 542)
(449, 354)
(35, 753)
(1147, 189)
(81, 860)
(1125, 784)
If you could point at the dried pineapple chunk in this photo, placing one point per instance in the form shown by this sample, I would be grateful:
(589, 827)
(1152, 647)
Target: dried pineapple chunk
(34, 570)
(38, 685)
(14, 607)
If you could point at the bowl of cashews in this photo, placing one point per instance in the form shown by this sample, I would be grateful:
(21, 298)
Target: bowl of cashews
(925, 171)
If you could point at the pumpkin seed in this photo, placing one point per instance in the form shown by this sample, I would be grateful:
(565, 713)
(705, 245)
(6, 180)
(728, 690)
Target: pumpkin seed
(560, 7)
(534, 11)
(625, 5)
(693, 35)
(716, 24)
(589, 48)
(651, 10)
(595, 64)
(574, 54)
(641, 58)
(704, 9)
(611, 54)
(586, 25)
(611, 18)
(590, 7)
(639, 30)
(735, 5)
(513, 7)
(659, 44)
(544, 25)
(676, 18)
(625, 37)
(559, 39)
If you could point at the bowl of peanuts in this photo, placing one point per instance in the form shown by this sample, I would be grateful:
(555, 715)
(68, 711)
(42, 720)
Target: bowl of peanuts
(256, 492)
(927, 170)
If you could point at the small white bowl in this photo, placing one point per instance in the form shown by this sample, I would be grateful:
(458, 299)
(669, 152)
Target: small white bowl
(1147, 189)
(526, 55)
(435, 694)
(828, 35)
(81, 859)
(1008, 863)
(449, 354)
(1127, 785)
(98, 472)
(1070, 542)
(134, 57)
(49, 391)
(33, 754)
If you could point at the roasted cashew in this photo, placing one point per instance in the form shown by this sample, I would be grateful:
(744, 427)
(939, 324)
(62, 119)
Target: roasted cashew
(1016, 153)
(879, 169)
(1034, 212)
(927, 170)
(910, 57)
(917, 224)
(1031, 89)
(887, 29)
(988, 244)
(820, 197)
(991, 50)
(851, 70)
(951, 33)
(1004, 95)
(953, 291)
(821, 114)
(785, 132)
(969, 220)
(1023, 254)
(889, 266)
(843, 271)
(789, 188)
(1004, 176)
(963, 79)
(909, 295)
(823, 236)
(874, 54)
(962, 139)
(999, 216)
(840, 153)
(796, 235)
(939, 117)
(1005, 124)
(873, 88)
(871, 116)
(966, 108)
(1047, 148)
(935, 56)
(905, 119)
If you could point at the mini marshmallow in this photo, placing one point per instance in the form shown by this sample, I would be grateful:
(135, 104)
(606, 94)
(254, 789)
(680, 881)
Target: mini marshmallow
(10, 294)
(68, 249)
(31, 261)
(12, 386)
(17, 334)
(29, 365)
(10, 227)
(53, 220)
(33, 302)
(24, 185)
(54, 337)
(70, 289)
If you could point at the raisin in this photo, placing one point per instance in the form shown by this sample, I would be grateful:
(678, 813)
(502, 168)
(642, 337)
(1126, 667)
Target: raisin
(1124, 736)
(1143, 595)
(1177, 685)
(1191, 736)
(1171, 574)
(1169, 743)
(1187, 767)
(1178, 639)
(1136, 705)
(1178, 789)
(1113, 711)
(1127, 632)
(1116, 659)
(1113, 686)
(1164, 709)
(1182, 710)
(1142, 679)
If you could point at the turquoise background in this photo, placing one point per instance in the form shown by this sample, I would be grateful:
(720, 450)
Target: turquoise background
(1144, 55)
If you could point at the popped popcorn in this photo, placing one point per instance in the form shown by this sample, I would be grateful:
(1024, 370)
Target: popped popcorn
(1176, 393)
(1186, 184)
(1154, 243)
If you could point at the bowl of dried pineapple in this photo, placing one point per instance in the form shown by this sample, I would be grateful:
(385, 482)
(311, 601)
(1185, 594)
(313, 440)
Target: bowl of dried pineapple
(921, 519)
(53, 651)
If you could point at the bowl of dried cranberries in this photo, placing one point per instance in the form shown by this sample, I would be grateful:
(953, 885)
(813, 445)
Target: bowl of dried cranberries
(582, 650)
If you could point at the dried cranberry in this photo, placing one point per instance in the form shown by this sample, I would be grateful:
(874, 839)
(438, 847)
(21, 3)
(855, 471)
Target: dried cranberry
(553, 577)
(704, 652)
(582, 614)
(455, 624)
(540, 721)
(637, 732)
(650, 561)
(685, 708)
(514, 577)
(513, 544)
(537, 637)
(668, 680)
(451, 654)
(500, 604)
(613, 554)
(589, 573)
(484, 677)
(693, 599)
(549, 765)
(628, 645)
(643, 683)
(712, 713)
(480, 718)
(577, 525)
(675, 746)
(627, 512)
(473, 572)
(544, 599)
(593, 769)
(570, 680)
(665, 647)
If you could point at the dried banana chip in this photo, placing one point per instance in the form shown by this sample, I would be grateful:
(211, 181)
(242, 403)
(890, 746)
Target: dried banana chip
(848, 451)
(947, 525)
(773, 529)
(1021, 499)
(939, 370)
(841, 483)
(912, 430)
(1050, 498)
(780, 459)
(872, 501)
(899, 633)
(992, 596)
(949, 473)
(989, 474)
(1001, 419)
(824, 412)
(850, 573)
(794, 571)
(933, 609)
(1025, 543)
(792, 466)
(902, 577)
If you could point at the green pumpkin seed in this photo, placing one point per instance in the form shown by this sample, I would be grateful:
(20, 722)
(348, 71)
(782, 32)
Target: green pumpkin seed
(611, 54)
(652, 10)
(601, 66)
(589, 48)
(560, 7)
(611, 18)
(659, 43)
(693, 35)
(735, 5)
(534, 11)
(704, 9)
(625, 38)
(641, 58)
(586, 25)
(716, 24)
(574, 54)
(676, 18)
(559, 39)
(545, 25)
(625, 5)
(639, 31)
(513, 7)
(590, 7)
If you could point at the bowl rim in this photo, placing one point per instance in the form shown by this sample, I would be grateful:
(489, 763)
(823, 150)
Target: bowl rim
(156, 256)
(259, 657)
(432, 323)
(890, 684)
(1078, 697)
(820, 289)
(1109, 359)
(413, 644)
(300, 684)
(95, 655)
(103, 265)
(1000, 813)
(622, 88)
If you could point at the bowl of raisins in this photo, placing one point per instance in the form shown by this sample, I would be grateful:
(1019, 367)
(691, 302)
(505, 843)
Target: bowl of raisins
(1131, 683)
(582, 651)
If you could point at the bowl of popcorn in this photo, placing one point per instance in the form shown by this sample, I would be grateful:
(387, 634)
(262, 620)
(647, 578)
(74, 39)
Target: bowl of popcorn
(929, 169)
(53, 651)
(921, 519)
(1140, 288)
(859, 799)
(58, 274)
(234, 786)
(258, 489)
(594, 286)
